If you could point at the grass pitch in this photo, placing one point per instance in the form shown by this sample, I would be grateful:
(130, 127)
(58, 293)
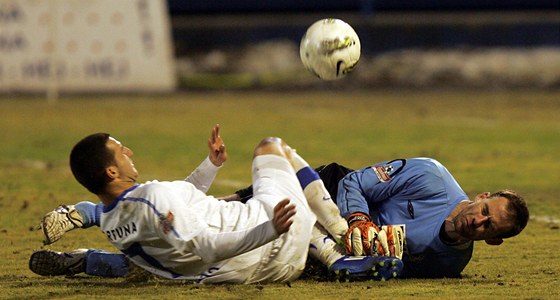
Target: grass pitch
(488, 140)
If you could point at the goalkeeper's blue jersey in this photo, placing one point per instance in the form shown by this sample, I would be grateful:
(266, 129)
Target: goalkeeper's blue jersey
(417, 192)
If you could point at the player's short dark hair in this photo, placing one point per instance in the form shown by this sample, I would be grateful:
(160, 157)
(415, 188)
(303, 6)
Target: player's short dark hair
(88, 160)
(517, 208)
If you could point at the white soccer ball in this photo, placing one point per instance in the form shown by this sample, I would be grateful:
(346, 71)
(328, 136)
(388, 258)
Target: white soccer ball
(330, 49)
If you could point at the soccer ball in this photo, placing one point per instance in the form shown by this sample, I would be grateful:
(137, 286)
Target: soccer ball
(330, 49)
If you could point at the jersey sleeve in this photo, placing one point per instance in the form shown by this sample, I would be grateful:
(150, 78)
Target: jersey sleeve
(351, 196)
(362, 190)
(203, 176)
(181, 225)
(212, 247)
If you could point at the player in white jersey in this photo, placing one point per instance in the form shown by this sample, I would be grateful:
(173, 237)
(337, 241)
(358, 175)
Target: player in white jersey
(174, 230)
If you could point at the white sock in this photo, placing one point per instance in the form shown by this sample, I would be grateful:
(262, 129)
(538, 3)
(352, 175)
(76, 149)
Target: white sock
(323, 247)
(319, 199)
(326, 211)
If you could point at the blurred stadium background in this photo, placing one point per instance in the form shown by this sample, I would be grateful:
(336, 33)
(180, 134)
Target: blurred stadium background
(142, 45)
(494, 67)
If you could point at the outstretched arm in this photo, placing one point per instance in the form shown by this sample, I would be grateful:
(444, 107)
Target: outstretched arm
(203, 176)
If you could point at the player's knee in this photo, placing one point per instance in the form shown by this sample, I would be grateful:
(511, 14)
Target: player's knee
(271, 145)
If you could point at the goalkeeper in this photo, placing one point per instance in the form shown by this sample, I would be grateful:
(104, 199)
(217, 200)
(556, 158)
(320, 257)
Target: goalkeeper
(441, 222)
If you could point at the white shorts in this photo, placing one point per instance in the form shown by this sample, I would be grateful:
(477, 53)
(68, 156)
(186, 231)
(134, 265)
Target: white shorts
(283, 259)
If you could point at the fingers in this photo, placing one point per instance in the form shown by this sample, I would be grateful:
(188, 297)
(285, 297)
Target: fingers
(215, 133)
(383, 243)
(219, 145)
(283, 213)
(218, 153)
(363, 239)
(221, 148)
(216, 147)
(357, 242)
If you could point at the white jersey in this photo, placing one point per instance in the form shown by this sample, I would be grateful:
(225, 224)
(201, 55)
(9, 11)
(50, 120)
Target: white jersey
(175, 230)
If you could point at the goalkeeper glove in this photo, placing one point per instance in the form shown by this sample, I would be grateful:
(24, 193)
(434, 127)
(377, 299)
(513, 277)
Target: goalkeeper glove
(395, 237)
(364, 237)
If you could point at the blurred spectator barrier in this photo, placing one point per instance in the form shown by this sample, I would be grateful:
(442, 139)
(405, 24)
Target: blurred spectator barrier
(85, 46)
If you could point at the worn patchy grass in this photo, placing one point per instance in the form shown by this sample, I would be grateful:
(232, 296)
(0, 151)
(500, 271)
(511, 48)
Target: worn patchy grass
(489, 141)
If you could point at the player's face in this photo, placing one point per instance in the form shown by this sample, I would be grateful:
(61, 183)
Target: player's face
(484, 218)
(127, 171)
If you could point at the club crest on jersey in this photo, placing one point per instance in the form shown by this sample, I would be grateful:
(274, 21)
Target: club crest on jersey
(167, 222)
(382, 172)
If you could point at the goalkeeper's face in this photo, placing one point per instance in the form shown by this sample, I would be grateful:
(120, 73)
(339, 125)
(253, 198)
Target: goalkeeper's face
(483, 219)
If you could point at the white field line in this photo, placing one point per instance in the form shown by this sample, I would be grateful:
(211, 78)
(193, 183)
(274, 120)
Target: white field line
(545, 219)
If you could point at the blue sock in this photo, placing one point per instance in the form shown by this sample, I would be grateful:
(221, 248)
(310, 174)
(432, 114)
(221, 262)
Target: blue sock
(90, 212)
(306, 175)
(106, 264)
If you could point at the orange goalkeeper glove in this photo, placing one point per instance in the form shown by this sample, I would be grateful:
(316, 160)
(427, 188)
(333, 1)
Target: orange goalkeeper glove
(360, 235)
(365, 238)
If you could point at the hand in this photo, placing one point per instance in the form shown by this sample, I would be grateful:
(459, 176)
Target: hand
(218, 154)
(283, 213)
(364, 237)
(396, 237)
